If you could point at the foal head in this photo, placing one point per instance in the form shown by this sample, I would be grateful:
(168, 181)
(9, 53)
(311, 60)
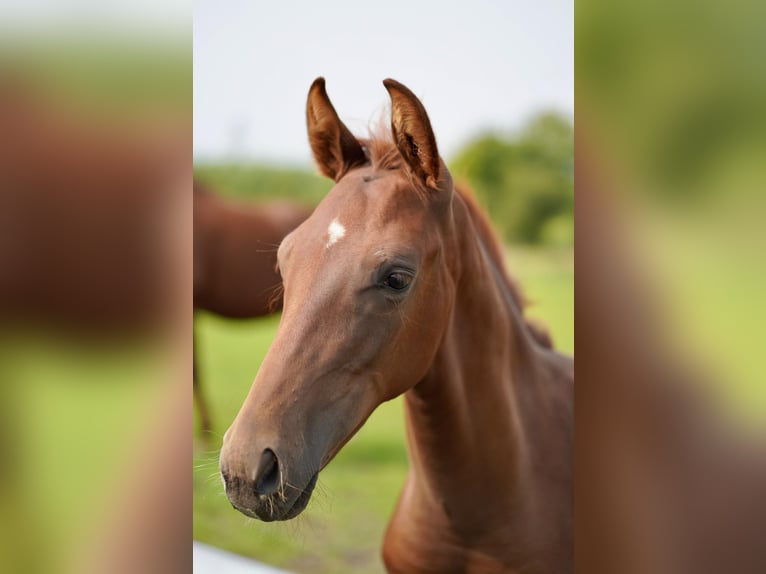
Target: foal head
(368, 291)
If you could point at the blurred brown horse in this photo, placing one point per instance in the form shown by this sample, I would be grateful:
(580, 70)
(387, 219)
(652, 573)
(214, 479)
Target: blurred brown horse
(396, 285)
(92, 218)
(235, 258)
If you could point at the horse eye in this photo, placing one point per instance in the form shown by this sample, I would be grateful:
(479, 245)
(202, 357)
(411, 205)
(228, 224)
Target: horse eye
(398, 280)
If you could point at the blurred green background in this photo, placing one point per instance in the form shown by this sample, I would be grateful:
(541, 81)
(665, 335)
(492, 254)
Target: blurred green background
(526, 179)
(672, 129)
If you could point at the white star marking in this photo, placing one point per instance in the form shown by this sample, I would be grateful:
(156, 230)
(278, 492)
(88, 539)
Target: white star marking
(335, 232)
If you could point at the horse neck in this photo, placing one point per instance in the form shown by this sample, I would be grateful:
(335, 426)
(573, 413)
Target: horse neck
(465, 430)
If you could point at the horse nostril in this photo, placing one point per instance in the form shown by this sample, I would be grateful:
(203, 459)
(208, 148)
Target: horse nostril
(267, 475)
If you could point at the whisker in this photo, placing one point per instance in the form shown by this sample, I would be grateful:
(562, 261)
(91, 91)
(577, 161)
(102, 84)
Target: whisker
(275, 298)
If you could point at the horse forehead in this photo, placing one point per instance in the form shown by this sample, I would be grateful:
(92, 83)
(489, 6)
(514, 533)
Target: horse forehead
(372, 200)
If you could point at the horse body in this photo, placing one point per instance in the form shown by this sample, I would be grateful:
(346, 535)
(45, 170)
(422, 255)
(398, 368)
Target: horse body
(395, 285)
(235, 246)
(85, 209)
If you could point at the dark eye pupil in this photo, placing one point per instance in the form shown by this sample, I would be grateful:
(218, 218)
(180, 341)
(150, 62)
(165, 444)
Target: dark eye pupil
(398, 281)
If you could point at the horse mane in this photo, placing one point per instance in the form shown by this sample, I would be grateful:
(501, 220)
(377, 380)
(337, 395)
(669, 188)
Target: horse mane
(491, 242)
(383, 154)
(495, 252)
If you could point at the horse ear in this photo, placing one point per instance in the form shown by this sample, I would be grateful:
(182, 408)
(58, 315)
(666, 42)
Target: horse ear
(412, 133)
(335, 148)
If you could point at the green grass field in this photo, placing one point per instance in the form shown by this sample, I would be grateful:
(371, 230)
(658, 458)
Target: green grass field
(342, 529)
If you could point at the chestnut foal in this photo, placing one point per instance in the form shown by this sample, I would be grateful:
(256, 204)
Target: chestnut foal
(396, 285)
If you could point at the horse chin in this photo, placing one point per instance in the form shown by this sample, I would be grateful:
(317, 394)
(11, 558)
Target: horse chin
(270, 510)
(302, 501)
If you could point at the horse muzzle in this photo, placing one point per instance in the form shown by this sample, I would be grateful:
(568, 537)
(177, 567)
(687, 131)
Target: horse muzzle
(268, 493)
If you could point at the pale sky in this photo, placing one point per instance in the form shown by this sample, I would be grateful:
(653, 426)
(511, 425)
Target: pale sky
(476, 65)
(134, 17)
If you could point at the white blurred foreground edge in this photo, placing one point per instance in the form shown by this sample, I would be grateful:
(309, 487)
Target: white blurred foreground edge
(209, 559)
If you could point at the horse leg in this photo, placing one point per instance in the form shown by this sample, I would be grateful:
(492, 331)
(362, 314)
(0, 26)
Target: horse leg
(199, 398)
